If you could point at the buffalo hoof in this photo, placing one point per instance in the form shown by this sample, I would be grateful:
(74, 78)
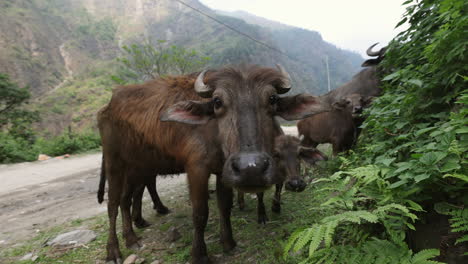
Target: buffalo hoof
(262, 219)
(162, 210)
(113, 254)
(141, 223)
(201, 260)
(135, 246)
(276, 208)
(132, 243)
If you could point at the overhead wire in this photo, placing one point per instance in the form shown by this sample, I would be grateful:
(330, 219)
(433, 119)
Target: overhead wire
(234, 29)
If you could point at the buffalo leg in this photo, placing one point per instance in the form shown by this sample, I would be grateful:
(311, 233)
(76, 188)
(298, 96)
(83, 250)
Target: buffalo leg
(137, 216)
(115, 179)
(157, 204)
(240, 200)
(131, 239)
(276, 206)
(198, 186)
(224, 195)
(261, 213)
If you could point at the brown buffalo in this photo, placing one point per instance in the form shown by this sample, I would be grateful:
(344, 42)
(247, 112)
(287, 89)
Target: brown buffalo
(335, 127)
(163, 127)
(365, 83)
(288, 155)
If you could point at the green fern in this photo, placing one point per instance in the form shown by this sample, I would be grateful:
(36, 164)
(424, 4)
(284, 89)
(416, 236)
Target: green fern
(374, 251)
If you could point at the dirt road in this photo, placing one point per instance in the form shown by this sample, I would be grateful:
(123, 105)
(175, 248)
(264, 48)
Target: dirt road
(37, 195)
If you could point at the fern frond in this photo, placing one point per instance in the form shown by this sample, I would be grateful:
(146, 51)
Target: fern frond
(423, 256)
(304, 238)
(316, 239)
(329, 231)
(462, 239)
(291, 241)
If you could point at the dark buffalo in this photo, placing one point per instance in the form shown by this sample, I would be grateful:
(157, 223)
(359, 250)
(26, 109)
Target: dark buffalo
(163, 127)
(336, 127)
(288, 155)
(365, 83)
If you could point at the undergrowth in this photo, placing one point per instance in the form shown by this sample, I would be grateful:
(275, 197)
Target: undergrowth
(411, 157)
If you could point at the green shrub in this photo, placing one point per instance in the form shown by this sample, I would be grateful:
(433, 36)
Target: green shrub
(412, 154)
(17, 149)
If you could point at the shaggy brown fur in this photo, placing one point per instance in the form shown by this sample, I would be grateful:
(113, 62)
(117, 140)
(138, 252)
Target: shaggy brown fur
(335, 127)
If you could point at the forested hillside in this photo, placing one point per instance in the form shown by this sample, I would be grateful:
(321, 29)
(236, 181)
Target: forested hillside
(65, 50)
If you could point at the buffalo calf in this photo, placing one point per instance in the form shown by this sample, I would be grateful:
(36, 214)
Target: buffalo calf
(288, 155)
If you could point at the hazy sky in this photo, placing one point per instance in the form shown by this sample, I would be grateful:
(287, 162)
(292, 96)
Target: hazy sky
(349, 24)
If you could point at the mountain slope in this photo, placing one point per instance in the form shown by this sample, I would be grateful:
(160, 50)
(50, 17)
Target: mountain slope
(65, 49)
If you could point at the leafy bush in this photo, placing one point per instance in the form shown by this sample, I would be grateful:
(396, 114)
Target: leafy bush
(17, 149)
(69, 143)
(412, 154)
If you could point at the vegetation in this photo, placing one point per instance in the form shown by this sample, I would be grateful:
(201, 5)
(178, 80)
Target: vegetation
(18, 140)
(413, 154)
(146, 61)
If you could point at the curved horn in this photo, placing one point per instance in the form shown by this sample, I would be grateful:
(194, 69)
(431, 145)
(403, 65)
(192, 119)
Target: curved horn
(373, 53)
(201, 88)
(286, 80)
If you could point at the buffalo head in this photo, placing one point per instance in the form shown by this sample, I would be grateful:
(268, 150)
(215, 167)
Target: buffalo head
(243, 103)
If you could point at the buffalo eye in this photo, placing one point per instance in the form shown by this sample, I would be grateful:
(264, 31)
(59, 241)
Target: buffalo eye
(348, 102)
(274, 99)
(217, 103)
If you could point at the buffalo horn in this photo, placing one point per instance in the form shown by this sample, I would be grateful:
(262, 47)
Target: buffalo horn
(201, 88)
(373, 53)
(286, 81)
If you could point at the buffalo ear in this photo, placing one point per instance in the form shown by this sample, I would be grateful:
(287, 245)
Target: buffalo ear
(311, 155)
(300, 106)
(189, 112)
(371, 62)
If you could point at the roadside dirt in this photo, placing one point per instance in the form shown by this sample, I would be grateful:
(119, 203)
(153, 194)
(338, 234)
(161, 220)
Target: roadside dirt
(38, 195)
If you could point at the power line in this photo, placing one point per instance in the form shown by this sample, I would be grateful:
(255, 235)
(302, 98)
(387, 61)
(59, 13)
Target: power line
(233, 29)
(249, 37)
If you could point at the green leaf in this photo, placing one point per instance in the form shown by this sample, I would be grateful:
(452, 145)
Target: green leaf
(403, 20)
(397, 184)
(424, 130)
(416, 82)
(391, 76)
(462, 130)
(432, 158)
(421, 177)
(384, 160)
(458, 176)
(450, 164)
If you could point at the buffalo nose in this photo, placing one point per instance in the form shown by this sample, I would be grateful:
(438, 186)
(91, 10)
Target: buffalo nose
(357, 109)
(250, 164)
(296, 185)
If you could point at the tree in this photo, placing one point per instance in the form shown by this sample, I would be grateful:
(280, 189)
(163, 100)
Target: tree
(148, 60)
(14, 119)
